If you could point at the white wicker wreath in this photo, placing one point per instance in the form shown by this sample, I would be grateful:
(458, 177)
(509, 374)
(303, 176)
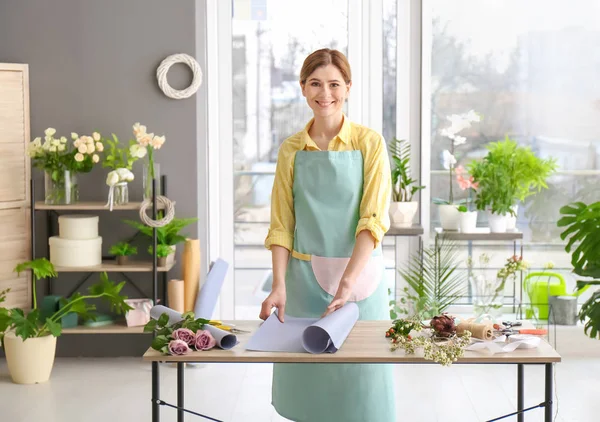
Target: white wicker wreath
(163, 69)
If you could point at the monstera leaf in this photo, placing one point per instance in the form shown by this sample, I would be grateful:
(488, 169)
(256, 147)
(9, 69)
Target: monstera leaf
(582, 226)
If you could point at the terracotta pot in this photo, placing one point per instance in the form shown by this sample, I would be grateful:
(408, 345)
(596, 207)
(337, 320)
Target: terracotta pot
(29, 361)
(402, 214)
(122, 260)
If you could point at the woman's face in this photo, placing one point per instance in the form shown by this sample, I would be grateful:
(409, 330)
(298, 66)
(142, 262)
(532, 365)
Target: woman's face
(326, 91)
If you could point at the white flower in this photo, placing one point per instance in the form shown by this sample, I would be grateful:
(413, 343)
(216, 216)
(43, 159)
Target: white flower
(144, 140)
(473, 117)
(50, 131)
(76, 143)
(46, 146)
(112, 178)
(139, 130)
(55, 142)
(89, 140)
(82, 148)
(90, 148)
(62, 147)
(95, 158)
(96, 136)
(63, 140)
(157, 142)
(37, 142)
(459, 140)
(448, 159)
(549, 265)
(125, 175)
(137, 151)
(52, 148)
(74, 136)
(99, 147)
(79, 157)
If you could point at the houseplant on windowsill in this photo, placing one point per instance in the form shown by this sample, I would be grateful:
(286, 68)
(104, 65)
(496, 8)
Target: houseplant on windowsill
(403, 208)
(468, 216)
(123, 251)
(449, 214)
(61, 161)
(29, 341)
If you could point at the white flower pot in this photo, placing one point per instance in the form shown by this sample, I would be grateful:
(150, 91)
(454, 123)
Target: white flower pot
(511, 221)
(402, 214)
(449, 217)
(497, 222)
(468, 222)
(29, 361)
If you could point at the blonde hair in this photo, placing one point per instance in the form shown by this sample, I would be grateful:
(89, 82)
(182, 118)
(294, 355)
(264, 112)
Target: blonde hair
(324, 57)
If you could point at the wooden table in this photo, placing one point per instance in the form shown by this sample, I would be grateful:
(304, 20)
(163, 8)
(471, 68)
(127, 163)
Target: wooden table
(365, 344)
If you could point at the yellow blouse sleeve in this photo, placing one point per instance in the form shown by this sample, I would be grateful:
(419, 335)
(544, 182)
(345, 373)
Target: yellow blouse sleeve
(374, 207)
(283, 221)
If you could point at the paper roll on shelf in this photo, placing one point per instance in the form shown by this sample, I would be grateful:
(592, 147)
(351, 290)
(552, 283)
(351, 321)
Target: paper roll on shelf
(176, 295)
(190, 269)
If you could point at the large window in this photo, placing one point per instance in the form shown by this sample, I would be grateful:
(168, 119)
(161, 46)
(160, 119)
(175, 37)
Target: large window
(531, 69)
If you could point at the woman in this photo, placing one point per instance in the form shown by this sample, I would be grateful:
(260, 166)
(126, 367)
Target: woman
(329, 212)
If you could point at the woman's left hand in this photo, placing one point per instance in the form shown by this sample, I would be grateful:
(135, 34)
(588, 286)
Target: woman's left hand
(341, 297)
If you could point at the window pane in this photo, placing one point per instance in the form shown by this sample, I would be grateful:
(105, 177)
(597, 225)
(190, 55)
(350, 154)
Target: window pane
(532, 78)
(269, 45)
(389, 69)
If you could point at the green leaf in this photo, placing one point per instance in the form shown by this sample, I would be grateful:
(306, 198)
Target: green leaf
(41, 267)
(150, 326)
(25, 327)
(159, 342)
(55, 328)
(163, 320)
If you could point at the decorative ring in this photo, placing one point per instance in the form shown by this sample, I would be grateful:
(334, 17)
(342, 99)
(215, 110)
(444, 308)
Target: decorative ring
(163, 69)
(169, 214)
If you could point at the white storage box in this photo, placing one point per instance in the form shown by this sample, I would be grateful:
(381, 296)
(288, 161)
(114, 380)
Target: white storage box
(78, 226)
(75, 253)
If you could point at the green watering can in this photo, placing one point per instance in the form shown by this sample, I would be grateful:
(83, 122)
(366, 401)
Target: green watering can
(540, 285)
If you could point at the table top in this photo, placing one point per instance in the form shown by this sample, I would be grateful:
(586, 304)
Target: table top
(366, 343)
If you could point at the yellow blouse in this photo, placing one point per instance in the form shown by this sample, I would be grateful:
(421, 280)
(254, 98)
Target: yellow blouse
(376, 190)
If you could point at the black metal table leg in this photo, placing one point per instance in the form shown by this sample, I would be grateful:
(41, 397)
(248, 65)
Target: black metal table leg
(548, 395)
(155, 393)
(520, 393)
(180, 390)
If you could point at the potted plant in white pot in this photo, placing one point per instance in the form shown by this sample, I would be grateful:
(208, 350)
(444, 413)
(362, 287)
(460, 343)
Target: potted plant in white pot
(468, 216)
(402, 208)
(30, 342)
(449, 213)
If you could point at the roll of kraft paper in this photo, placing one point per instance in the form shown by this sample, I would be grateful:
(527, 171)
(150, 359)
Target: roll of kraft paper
(480, 331)
(225, 340)
(176, 295)
(209, 293)
(190, 269)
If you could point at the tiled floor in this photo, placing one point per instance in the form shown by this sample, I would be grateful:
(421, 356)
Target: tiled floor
(94, 390)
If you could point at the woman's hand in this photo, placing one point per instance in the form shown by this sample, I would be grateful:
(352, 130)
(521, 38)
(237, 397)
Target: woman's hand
(276, 299)
(341, 297)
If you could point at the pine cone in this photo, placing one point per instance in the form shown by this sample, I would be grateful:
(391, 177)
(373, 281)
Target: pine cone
(443, 325)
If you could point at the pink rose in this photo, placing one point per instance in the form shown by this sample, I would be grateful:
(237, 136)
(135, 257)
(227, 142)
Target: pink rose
(204, 340)
(186, 335)
(178, 347)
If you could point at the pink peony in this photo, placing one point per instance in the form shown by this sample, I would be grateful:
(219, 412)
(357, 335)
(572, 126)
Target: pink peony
(204, 340)
(178, 347)
(186, 335)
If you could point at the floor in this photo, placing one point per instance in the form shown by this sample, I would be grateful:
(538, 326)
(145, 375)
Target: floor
(118, 389)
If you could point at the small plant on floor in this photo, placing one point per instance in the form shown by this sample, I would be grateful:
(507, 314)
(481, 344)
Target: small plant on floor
(28, 325)
(123, 251)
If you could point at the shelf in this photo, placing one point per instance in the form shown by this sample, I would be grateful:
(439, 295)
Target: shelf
(105, 329)
(482, 233)
(112, 266)
(91, 206)
(415, 230)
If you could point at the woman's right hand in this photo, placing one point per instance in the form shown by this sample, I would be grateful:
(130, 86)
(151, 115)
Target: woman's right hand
(276, 299)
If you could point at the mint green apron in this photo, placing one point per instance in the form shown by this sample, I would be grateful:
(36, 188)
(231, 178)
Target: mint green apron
(327, 192)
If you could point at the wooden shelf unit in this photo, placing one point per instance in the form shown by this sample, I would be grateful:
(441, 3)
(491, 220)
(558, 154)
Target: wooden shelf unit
(112, 266)
(91, 206)
(116, 328)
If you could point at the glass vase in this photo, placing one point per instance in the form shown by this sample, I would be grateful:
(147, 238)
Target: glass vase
(488, 296)
(121, 193)
(60, 188)
(147, 180)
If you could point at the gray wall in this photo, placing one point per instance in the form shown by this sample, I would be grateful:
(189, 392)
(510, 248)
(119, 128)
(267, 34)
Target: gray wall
(92, 66)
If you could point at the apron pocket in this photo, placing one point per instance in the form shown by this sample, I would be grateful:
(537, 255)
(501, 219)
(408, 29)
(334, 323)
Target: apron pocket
(329, 271)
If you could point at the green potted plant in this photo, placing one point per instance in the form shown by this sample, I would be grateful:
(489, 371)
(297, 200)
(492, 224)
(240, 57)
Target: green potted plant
(162, 252)
(448, 208)
(468, 216)
(123, 251)
(29, 341)
(169, 234)
(402, 208)
(581, 224)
